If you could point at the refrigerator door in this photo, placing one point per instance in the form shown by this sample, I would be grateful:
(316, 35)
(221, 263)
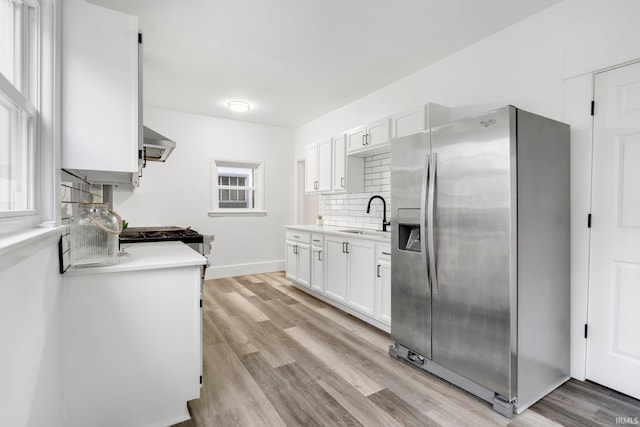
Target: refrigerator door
(474, 237)
(410, 293)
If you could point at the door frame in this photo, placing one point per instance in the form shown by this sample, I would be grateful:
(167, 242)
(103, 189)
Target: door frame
(579, 94)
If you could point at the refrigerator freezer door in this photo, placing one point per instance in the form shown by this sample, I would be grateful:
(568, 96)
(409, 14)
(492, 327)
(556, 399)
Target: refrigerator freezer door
(474, 228)
(410, 293)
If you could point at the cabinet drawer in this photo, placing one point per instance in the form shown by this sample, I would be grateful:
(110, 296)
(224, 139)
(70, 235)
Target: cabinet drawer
(299, 236)
(317, 240)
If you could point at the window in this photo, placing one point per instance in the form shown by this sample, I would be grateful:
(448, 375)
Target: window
(19, 105)
(237, 188)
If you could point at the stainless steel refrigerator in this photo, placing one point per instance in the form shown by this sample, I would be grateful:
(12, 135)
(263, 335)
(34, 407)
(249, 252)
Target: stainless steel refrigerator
(480, 254)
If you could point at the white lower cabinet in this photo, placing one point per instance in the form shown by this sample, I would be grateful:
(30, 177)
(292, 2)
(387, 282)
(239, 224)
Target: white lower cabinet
(350, 272)
(132, 352)
(361, 273)
(336, 283)
(317, 263)
(353, 274)
(383, 283)
(298, 258)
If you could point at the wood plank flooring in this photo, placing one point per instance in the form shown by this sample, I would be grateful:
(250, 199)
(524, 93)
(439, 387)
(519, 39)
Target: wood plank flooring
(275, 356)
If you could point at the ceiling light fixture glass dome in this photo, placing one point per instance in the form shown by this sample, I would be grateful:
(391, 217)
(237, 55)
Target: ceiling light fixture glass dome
(239, 106)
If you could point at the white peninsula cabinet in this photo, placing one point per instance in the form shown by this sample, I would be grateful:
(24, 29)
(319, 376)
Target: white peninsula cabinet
(132, 338)
(344, 272)
(100, 97)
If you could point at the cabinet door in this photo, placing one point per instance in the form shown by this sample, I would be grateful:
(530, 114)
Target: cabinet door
(99, 90)
(361, 275)
(356, 139)
(410, 121)
(304, 264)
(383, 291)
(292, 261)
(339, 164)
(310, 168)
(324, 166)
(317, 269)
(378, 132)
(336, 280)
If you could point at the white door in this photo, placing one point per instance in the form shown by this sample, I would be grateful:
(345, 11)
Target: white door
(613, 344)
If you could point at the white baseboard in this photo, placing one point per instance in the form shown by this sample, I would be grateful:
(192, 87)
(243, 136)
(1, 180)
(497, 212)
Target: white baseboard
(220, 271)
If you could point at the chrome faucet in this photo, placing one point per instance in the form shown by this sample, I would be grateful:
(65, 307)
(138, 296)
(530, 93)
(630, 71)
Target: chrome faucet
(384, 211)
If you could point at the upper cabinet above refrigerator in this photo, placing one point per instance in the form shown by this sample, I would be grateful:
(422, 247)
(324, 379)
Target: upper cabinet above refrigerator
(101, 123)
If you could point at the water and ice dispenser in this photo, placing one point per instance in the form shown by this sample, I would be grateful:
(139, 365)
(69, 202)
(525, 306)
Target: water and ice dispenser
(409, 230)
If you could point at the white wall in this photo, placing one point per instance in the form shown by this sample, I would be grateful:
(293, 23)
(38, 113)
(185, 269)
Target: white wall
(30, 336)
(178, 192)
(524, 65)
(542, 65)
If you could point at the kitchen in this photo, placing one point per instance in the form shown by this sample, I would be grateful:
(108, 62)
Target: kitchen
(553, 54)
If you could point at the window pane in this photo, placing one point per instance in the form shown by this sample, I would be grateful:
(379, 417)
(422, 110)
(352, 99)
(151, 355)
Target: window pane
(14, 160)
(232, 179)
(7, 43)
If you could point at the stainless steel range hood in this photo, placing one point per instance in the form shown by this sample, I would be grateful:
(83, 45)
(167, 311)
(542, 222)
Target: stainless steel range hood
(156, 147)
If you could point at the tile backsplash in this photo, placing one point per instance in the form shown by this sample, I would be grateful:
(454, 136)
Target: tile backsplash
(73, 191)
(350, 210)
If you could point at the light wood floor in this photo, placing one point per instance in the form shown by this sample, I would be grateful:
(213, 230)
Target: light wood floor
(275, 356)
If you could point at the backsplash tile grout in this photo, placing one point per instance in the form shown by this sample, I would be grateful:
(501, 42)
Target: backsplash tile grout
(349, 210)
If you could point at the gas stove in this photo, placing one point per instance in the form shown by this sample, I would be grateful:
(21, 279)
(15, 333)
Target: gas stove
(197, 241)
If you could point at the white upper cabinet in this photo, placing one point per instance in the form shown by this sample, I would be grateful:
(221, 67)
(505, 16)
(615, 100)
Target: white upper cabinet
(100, 116)
(348, 172)
(418, 119)
(318, 168)
(371, 139)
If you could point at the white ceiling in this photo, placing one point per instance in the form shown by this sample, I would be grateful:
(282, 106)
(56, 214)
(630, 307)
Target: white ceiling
(295, 60)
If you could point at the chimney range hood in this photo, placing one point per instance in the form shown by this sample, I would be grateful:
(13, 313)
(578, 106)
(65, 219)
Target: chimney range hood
(156, 147)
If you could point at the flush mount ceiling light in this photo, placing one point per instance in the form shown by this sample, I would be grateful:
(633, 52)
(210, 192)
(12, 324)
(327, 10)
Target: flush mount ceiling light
(239, 106)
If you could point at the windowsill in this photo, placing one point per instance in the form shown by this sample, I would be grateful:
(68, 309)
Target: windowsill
(237, 212)
(15, 241)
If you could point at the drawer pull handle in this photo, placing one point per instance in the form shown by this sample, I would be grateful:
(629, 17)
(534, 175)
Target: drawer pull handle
(386, 253)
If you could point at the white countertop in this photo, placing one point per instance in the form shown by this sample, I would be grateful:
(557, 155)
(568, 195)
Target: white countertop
(379, 236)
(147, 256)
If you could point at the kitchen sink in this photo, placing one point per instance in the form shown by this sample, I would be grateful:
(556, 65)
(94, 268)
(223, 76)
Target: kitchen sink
(366, 232)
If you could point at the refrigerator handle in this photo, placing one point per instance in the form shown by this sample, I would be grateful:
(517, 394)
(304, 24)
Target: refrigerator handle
(430, 221)
(423, 217)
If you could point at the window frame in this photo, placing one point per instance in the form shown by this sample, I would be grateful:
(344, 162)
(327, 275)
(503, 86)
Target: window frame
(258, 187)
(35, 94)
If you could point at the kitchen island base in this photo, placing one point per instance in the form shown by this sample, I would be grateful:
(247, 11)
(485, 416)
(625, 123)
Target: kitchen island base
(132, 338)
